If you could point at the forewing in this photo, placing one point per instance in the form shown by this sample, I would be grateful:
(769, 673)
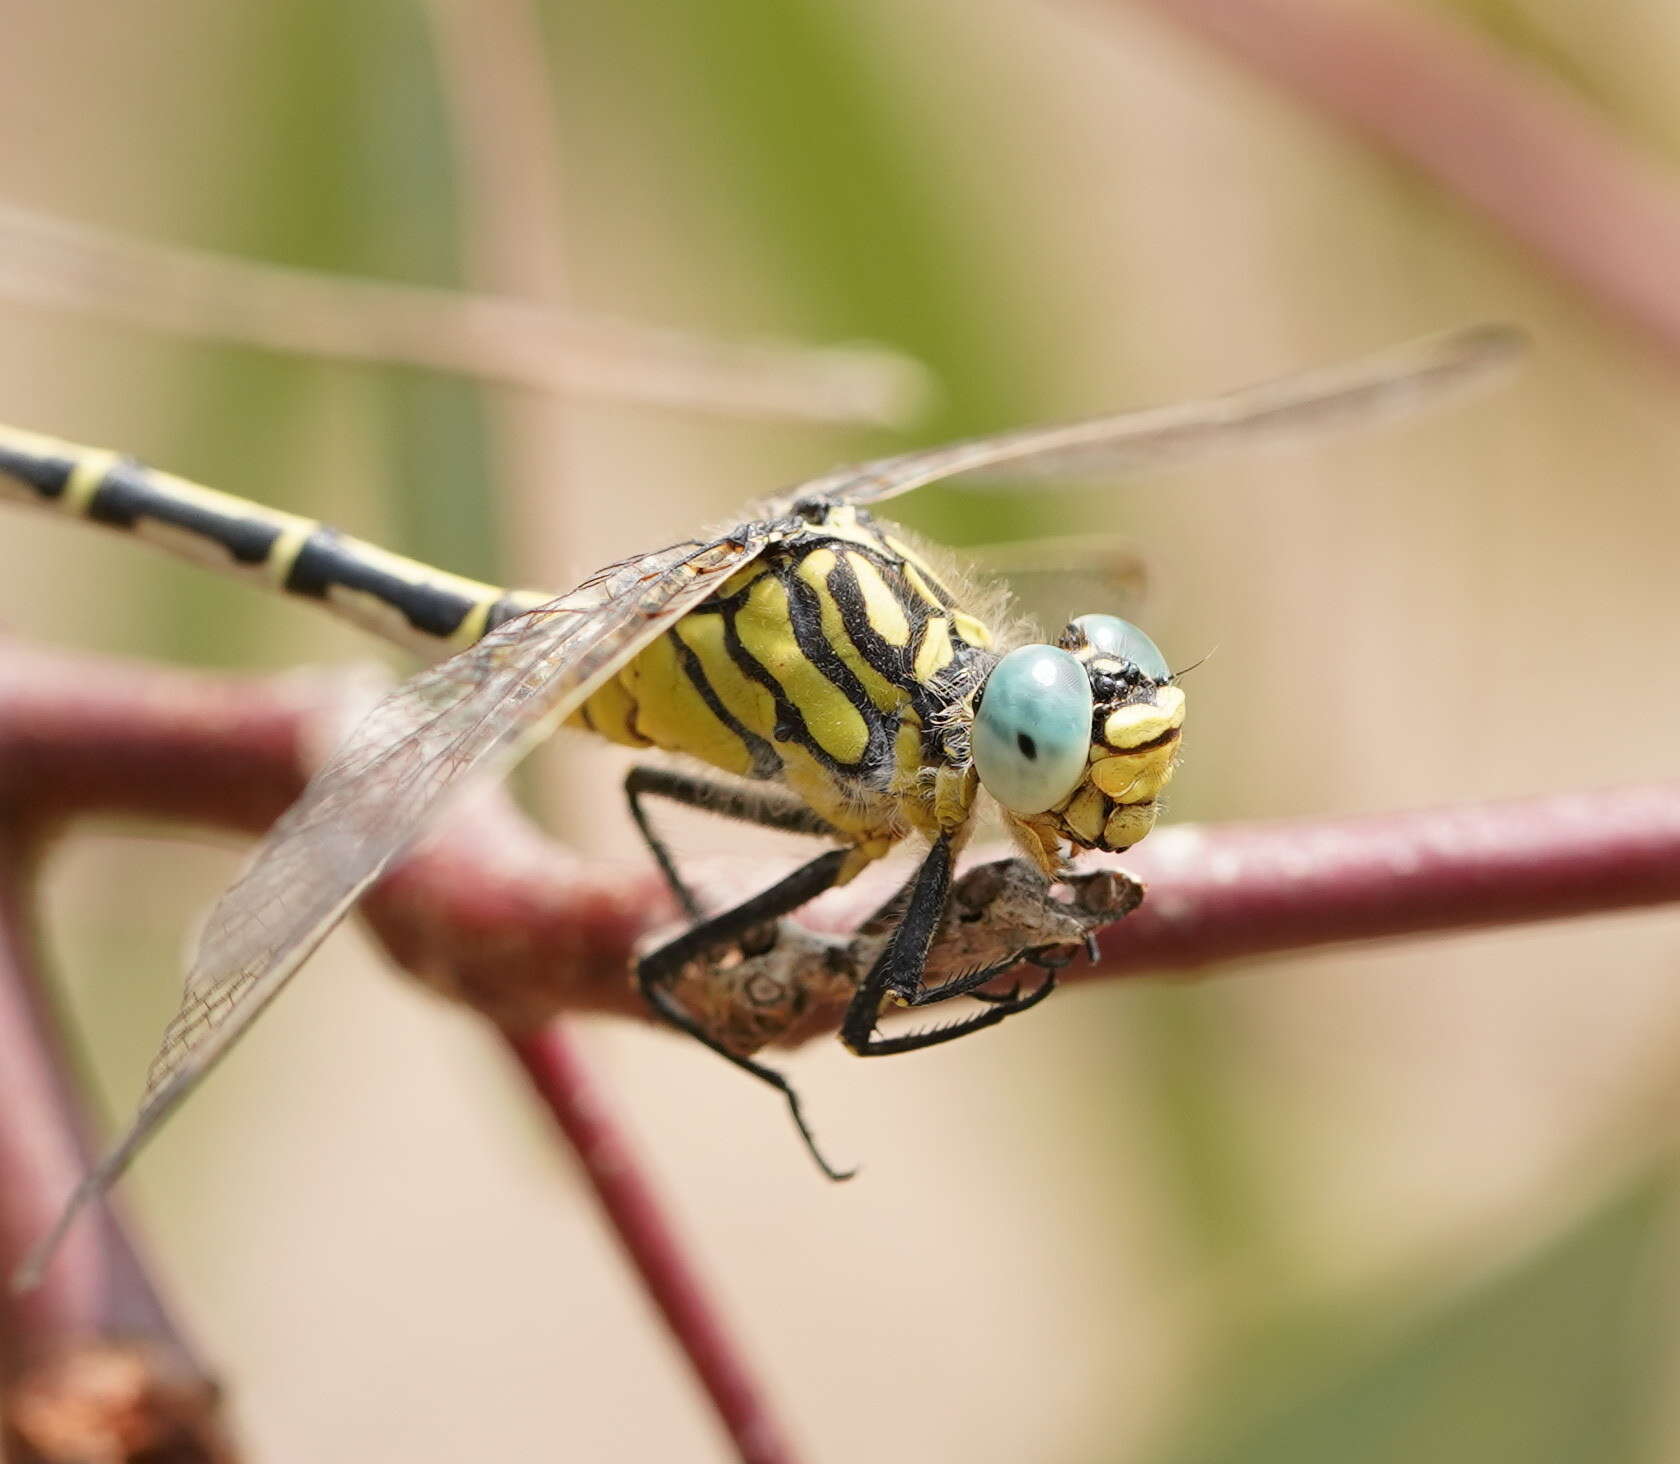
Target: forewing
(1373, 389)
(468, 718)
(1050, 575)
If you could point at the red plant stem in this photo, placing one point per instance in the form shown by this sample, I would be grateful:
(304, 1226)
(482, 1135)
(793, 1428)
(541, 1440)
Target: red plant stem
(100, 1289)
(1501, 134)
(1244, 890)
(493, 911)
(91, 1364)
(562, 1079)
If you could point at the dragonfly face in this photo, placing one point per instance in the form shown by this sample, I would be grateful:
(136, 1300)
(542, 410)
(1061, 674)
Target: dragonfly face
(1077, 740)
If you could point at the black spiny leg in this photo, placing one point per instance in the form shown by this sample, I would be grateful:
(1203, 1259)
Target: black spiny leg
(749, 805)
(659, 968)
(898, 973)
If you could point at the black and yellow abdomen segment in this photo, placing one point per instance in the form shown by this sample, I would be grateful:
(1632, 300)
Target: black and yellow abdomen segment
(824, 664)
(400, 599)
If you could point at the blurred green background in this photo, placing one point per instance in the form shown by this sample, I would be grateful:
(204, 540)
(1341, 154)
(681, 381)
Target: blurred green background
(1397, 1204)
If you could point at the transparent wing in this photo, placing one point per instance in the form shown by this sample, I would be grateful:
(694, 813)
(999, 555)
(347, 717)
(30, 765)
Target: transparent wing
(468, 718)
(1375, 388)
(1051, 575)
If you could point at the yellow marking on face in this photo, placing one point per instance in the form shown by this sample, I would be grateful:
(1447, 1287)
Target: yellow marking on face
(814, 571)
(1133, 777)
(935, 652)
(1127, 824)
(886, 615)
(1084, 815)
(1142, 722)
(87, 472)
(766, 632)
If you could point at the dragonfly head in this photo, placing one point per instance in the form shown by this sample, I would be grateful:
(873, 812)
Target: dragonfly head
(1077, 740)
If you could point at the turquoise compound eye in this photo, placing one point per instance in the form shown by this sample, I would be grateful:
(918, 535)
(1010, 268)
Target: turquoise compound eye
(1032, 733)
(1125, 642)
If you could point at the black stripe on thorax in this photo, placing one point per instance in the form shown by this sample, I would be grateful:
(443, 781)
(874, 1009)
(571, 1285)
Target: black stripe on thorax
(765, 762)
(327, 561)
(126, 495)
(790, 721)
(897, 663)
(934, 583)
(805, 613)
(893, 663)
(886, 557)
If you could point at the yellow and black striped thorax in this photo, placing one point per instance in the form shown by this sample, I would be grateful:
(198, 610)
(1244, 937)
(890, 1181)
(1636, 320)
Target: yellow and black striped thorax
(405, 601)
(839, 657)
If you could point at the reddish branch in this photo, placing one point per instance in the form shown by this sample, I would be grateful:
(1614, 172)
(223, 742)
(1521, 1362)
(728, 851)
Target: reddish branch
(1504, 136)
(91, 1366)
(563, 1081)
(493, 912)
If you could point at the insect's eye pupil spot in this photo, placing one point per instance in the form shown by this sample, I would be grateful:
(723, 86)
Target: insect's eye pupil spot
(1031, 736)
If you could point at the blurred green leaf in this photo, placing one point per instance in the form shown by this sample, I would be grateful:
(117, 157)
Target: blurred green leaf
(1553, 1362)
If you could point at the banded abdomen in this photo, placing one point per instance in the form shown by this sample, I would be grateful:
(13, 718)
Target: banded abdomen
(411, 604)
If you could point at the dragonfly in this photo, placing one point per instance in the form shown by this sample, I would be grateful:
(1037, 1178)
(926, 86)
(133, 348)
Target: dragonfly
(811, 668)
